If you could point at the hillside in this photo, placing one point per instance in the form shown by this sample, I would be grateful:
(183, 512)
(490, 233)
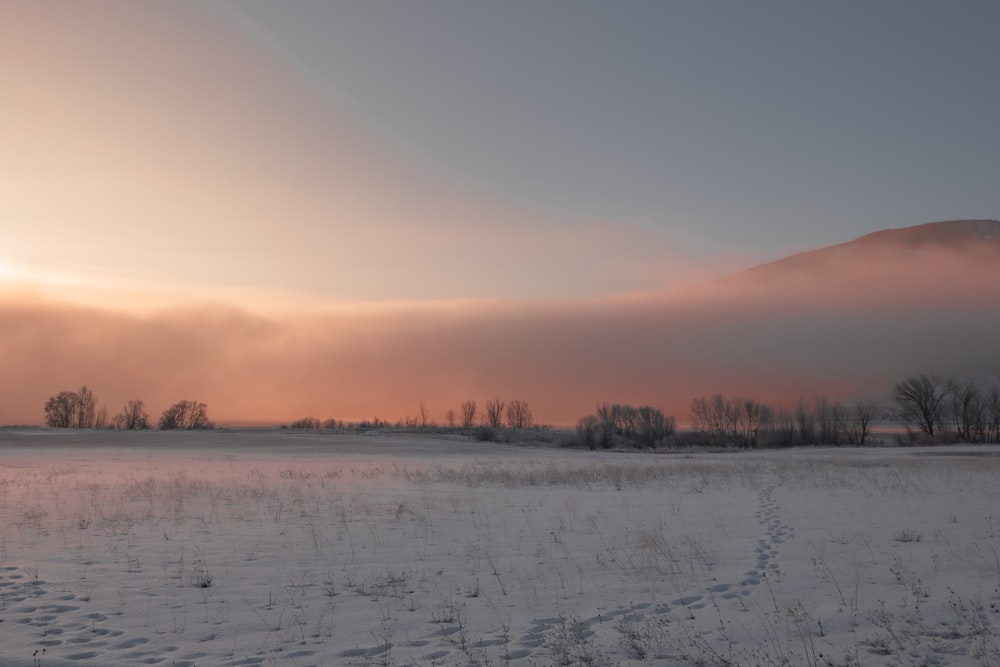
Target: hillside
(966, 236)
(933, 263)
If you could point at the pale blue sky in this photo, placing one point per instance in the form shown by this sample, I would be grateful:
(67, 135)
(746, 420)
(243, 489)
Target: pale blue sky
(764, 126)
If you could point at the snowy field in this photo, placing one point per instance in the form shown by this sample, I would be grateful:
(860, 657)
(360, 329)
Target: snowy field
(268, 548)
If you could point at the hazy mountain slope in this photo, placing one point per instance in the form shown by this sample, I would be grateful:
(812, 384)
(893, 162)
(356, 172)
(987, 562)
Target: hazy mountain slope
(938, 262)
(965, 236)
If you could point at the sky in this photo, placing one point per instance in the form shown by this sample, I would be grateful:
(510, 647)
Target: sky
(263, 189)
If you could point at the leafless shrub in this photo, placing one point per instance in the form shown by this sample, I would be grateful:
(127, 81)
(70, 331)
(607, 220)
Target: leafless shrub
(133, 416)
(907, 536)
(185, 415)
(306, 423)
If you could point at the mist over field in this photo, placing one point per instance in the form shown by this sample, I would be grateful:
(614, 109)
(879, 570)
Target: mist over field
(849, 321)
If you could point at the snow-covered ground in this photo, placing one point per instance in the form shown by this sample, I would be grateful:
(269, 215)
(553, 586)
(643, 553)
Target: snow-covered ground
(270, 548)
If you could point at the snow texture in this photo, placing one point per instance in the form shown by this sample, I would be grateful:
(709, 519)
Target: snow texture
(289, 549)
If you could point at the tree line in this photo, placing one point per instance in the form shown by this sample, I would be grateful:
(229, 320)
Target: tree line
(612, 424)
(79, 409)
(971, 409)
(497, 413)
(745, 422)
(930, 408)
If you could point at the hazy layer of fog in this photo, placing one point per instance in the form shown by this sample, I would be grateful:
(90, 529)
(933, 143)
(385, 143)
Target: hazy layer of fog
(847, 326)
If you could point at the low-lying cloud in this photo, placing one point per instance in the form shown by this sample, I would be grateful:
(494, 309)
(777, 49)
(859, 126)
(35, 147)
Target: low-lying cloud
(849, 330)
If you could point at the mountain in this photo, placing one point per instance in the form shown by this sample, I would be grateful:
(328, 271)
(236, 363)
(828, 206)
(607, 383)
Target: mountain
(949, 233)
(961, 235)
(934, 264)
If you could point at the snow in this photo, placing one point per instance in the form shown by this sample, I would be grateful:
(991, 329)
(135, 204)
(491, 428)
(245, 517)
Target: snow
(271, 548)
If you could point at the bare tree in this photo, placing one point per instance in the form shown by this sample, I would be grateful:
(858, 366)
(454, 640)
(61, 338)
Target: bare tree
(606, 425)
(863, 414)
(782, 430)
(706, 416)
(61, 410)
(752, 416)
(423, 416)
(174, 417)
(644, 426)
(653, 426)
(86, 408)
(587, 431)
(615, 422)
(468, 409)
(920, 399)
(75, 409)
(991, 415)
(730, 420)
(842, 419)
(854, 421)
(494, 412)
(133, 416)
(102, 420)
(449, 417)
(626, 421)
(718, 417)
(826, 422)
(185, 415)
(806, 422)
(518, 414)
(967, 409)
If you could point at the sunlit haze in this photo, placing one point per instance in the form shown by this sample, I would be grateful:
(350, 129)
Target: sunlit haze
(348, 209)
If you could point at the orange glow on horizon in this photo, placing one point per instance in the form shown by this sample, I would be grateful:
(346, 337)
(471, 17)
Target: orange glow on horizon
(756, 335)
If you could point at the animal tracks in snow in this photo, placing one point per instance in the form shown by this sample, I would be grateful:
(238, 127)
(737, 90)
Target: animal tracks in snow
(505, 555)
(543, 634)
